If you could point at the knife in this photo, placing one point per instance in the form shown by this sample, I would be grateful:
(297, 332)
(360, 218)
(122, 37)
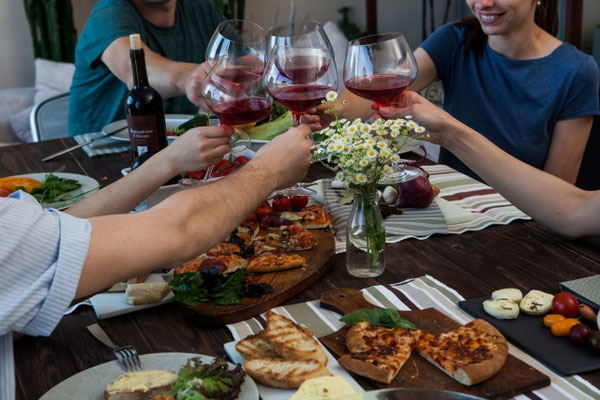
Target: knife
(80, 145)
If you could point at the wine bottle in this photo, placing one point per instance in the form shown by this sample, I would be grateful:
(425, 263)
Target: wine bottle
(144, 107)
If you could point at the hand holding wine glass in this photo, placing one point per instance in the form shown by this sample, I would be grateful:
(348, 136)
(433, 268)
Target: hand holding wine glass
(379, 67)
(233, 91)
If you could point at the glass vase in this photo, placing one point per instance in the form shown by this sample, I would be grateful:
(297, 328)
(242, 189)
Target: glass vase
(365, 236)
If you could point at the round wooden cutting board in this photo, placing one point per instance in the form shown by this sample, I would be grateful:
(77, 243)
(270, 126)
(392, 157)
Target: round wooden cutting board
(285, 284)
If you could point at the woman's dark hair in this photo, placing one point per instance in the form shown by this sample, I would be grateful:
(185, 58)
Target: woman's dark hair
(546, 17)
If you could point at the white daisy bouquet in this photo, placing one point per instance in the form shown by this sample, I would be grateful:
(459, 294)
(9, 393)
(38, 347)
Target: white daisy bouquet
(361, 154)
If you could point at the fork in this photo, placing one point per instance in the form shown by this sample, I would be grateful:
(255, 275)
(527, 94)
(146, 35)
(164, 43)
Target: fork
(126, 355)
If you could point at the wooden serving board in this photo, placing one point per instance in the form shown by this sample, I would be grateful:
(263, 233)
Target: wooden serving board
(516, 377)
(285, 284)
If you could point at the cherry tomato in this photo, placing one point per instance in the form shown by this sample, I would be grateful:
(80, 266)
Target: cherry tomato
(241, 160)
(562, 328)
(170, 133)
(565, 304)
(212, 263)
(252, 217)
(222, 168)
(550, 319)
(4, 192)
(195, 174)
(299, 202)
(579, 334)
(281, 203)
(263, 211)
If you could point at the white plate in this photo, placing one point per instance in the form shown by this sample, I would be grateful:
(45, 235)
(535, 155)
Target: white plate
(172, 121)
(87, 186)
(269, 393)
(90, 384)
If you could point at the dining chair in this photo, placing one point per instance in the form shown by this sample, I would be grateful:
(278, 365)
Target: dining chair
(49, 119)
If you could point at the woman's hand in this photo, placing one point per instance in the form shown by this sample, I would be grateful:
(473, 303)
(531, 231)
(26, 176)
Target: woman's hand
(198, 148)
(435, 120)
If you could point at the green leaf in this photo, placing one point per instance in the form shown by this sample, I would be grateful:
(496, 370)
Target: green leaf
(387, 317)
(345, 198)
(188, 290)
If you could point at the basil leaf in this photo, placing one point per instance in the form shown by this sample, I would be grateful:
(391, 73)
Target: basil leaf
(386, 317)
(188, 289)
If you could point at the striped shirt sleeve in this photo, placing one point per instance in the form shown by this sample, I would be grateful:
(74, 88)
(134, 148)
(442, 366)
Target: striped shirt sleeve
(41, 256)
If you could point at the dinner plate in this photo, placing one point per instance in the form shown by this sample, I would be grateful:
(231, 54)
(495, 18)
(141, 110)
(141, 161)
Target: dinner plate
(88, 186)
(172, 121)
(90, 384)
(270, 393)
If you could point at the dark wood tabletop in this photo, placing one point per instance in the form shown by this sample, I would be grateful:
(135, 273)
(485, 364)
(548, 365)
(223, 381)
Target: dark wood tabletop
(521, 254)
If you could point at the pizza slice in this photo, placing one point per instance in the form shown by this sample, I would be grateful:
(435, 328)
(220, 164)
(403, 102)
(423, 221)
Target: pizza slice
(272, 261)
(470, 354)
(377, 352)
(289, 238)
(232, 263)
(311, 217)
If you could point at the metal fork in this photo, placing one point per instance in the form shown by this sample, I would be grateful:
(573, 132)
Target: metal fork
(126, 355)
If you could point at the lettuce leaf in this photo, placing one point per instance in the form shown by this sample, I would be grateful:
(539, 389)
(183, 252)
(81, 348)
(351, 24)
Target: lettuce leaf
(386, 317)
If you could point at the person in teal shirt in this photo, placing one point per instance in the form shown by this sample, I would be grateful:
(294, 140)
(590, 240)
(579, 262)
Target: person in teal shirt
(175, 34)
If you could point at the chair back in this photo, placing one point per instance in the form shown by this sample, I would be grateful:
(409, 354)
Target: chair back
(49, 119)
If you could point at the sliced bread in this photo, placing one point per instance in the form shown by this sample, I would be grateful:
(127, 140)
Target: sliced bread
(285, 374)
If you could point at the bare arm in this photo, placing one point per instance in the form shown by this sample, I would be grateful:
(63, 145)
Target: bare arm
(191, 221)
(427, 71)
(548, 199)
(196, 149)
(566, 149)
(169, 78)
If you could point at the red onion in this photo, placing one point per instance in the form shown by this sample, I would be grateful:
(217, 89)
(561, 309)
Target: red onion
(415, 193)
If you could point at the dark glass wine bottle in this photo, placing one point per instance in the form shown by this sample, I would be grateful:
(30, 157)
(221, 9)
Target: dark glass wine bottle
(144, 107)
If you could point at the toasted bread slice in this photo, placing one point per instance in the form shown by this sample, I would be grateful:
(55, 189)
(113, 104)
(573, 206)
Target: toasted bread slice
(292, 341)
(285, 374)
(256, 346)
(140, 385)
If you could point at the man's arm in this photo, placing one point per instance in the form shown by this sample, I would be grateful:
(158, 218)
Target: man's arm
(548, 199)
(169, 78)
(191, 221)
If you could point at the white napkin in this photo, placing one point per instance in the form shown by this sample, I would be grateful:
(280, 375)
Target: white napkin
(108, 305)
(453, 214)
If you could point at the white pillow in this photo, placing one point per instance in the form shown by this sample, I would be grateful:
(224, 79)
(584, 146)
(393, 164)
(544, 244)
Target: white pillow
(51, 78)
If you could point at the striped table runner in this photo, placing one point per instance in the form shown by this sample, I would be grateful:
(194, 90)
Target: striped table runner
(414, 294)
(487, 206)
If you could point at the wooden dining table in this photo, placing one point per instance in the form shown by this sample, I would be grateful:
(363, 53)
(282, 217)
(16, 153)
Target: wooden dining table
(521, 254)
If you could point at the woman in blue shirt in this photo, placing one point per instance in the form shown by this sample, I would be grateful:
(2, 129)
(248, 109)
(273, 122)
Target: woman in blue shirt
(505, 75)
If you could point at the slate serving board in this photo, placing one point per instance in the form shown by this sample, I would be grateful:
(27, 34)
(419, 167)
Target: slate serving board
(515, 377)
(529, 333)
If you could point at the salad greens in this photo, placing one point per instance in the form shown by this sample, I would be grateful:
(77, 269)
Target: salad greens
(54, 189)
(386, 317)
(193, 288)
(198, 381)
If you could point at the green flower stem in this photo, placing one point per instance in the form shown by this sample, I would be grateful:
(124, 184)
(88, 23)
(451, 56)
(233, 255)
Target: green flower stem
(375, 232)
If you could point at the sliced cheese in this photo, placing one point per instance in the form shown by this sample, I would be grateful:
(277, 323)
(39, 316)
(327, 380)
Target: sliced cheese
(501, 308)
(511, 294)
(536, 302)
(291, 216)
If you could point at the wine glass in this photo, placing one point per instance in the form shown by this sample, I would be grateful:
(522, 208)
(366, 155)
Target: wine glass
(379, 67)
(239, 38)
(308, 34)
(234, 92)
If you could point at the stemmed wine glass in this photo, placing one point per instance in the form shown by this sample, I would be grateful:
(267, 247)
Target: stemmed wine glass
(234, 92)
(379, 67)
(239, 38)
(300, 69)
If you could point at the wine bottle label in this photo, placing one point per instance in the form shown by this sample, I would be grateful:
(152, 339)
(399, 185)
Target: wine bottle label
(143, 133)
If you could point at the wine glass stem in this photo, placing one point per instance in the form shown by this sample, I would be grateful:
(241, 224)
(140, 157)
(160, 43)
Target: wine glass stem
(297, 118)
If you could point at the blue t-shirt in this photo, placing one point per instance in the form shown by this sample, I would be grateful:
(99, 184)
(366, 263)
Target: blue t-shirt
(98, 96)
(513, 103)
